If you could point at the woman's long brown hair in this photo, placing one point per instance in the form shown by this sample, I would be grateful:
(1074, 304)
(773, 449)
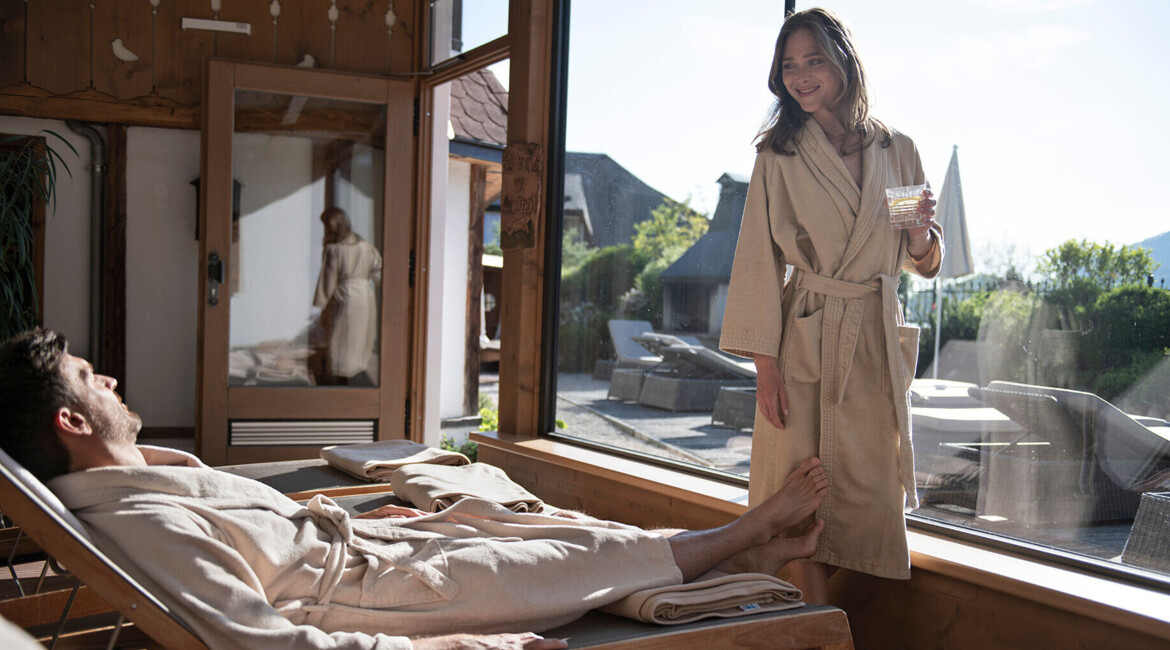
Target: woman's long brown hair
(785, 119)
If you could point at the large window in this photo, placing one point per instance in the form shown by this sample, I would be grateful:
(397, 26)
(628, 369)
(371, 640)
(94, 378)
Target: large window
(1042, 417)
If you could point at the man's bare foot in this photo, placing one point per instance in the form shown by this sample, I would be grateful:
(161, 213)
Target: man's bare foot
(771, 556)
(795, 501)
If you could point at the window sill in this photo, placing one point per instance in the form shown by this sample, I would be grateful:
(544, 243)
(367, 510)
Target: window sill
(1133, 607)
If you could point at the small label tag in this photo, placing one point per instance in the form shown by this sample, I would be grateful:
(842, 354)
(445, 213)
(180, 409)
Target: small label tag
(749, 608)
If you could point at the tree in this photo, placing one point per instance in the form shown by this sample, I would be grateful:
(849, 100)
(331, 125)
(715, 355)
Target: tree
(1083, 270)
(672, 228)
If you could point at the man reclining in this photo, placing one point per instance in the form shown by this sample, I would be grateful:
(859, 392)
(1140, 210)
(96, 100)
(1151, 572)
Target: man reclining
(249, 568)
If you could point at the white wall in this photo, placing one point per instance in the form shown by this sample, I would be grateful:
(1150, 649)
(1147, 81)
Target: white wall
(67, 229)
(279, 205)
(446, 279)
(455, 288)
(162, 263)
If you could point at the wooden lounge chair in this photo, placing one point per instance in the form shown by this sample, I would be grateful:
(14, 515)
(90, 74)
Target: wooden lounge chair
(44, 518)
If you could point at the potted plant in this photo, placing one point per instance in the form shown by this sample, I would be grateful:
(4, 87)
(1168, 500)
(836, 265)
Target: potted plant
(28, 181)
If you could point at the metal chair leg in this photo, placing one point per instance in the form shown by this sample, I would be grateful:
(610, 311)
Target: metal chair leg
(41, 579)
(117, 630)
(65, 615)
(12, 567)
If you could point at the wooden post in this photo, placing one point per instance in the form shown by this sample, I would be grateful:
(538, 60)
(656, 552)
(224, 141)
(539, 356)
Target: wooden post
(530, 27)
(113, 329)
(474, 324)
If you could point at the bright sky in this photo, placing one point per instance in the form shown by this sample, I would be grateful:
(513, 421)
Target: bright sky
(1041, 96)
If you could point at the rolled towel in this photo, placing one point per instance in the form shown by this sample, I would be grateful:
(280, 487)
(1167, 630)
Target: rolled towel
(436, 487)
(377, 461)
(722, 597)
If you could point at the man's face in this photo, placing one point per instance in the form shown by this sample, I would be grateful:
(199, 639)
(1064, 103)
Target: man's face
(109, 416)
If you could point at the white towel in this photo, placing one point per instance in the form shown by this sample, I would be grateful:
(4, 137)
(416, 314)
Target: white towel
(376, 461)
(722, 597)
(436, 487)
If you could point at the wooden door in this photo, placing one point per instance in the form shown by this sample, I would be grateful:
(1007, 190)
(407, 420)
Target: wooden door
(304, 324)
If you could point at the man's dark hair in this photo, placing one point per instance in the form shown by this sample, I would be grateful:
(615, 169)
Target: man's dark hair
(32, 387)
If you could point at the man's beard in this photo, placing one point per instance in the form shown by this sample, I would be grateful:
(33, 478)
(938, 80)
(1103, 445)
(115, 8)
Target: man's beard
(120, 427)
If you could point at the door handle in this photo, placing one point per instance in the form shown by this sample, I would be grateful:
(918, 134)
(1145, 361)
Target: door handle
(216, 273)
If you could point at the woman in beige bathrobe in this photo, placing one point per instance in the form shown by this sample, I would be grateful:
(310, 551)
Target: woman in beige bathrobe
(833, 357)
(350, 267)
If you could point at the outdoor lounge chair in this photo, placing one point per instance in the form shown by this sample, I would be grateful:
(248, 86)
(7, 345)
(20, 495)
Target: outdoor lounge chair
(1133, 452)
(690, 376)
(43, 517)
(1051, 471)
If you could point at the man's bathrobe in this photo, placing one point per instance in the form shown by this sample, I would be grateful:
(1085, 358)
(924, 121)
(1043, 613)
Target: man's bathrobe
(249, 568)
(837, 331)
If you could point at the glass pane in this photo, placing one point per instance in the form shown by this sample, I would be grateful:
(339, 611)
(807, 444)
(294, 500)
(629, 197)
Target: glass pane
(1046, 417)
(458, 26)
(306, 236)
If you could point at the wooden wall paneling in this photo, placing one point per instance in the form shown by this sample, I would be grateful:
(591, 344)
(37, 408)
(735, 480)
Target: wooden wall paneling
(931, 610)
(402, 39)
(256, 46)
(113, 329)
(530, 30)
(179, 72)
(362, 43)
(303, 29)
(129, 23)
(58, 45)
(12, 43)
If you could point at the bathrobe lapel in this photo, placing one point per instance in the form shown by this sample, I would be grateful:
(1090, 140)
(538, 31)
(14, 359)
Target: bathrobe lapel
(867, 203)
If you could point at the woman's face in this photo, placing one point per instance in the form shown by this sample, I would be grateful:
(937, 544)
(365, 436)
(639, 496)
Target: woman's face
(807, 74)
(332, 229)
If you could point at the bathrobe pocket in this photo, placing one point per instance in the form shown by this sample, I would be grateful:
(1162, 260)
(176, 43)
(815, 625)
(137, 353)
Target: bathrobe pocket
(802, 350)
(908, 340)
(406, 579)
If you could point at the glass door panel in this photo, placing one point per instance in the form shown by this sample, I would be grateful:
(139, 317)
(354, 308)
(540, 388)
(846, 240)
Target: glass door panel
(305, 241)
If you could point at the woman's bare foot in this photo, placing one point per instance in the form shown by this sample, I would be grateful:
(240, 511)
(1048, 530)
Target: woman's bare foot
(795, 501)
(771, 556)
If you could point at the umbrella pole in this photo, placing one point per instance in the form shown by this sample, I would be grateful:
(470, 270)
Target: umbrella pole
(937, 324)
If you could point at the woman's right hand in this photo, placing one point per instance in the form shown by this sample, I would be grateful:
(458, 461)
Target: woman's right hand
(771, 395)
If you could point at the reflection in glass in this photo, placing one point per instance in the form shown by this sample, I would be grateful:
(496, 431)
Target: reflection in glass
(305, 251)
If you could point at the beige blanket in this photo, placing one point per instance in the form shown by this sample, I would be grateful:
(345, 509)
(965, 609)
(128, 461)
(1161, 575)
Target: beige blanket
(722, 597)
(437, 487)
(377, 461)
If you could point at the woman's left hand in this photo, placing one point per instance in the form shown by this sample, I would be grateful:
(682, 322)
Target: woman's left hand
(919, 244)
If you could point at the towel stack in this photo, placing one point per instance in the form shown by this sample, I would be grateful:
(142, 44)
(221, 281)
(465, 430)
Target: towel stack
(377, 461)
(431, 479)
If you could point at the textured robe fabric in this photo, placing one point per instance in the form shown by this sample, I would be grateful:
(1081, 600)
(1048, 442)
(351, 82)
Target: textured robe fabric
(345, 288)
(247, 567)
(836, 329)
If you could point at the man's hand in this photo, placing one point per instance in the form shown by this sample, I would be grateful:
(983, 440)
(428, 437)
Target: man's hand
(525, 641)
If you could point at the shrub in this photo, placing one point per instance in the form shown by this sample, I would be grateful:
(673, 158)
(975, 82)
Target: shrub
(603, 277)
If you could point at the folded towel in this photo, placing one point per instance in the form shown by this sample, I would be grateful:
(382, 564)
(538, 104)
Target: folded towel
(376, 461)
(436, 487)
(723, 597)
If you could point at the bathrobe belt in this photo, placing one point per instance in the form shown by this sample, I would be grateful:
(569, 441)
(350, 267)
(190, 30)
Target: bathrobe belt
(333, 519)
(840, 329)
